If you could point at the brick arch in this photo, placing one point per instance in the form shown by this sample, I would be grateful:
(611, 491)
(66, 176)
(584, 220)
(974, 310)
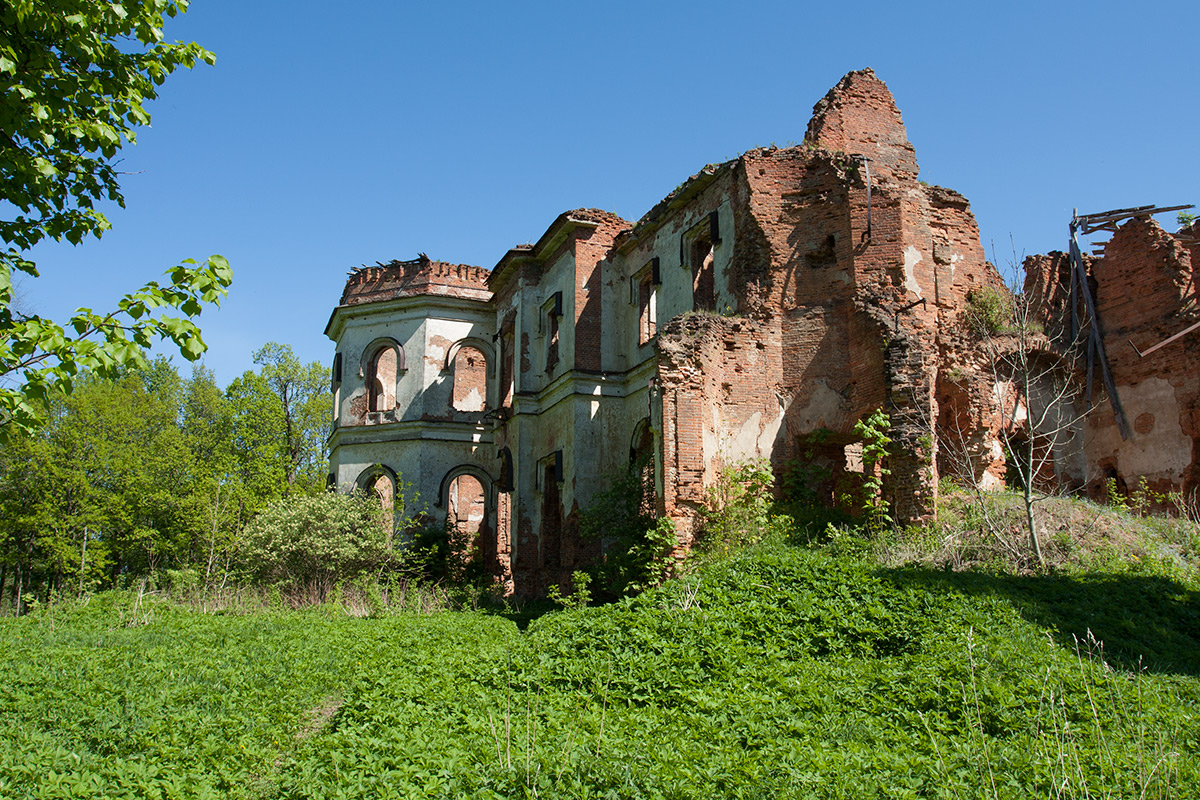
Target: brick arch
(641, 444)
(381, 365)
(480, 474)
(381, 479)
(471, 520)
(481, 345)
(473, 386)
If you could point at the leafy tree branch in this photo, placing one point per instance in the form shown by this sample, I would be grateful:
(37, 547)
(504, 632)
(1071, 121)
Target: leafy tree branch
(75, 79)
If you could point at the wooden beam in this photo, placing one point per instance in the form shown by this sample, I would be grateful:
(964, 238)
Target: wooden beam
(1164, 342)
(1116, 213)
(1094, 220)
(1097, 340)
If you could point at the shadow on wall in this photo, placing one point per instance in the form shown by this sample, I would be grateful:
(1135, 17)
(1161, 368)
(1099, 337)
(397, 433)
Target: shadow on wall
(1134, 616)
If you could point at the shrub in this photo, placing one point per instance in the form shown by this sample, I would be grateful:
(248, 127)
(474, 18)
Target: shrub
(318, 540)
(636, 547)
(989, 311)
(873, 431)
(738, 507)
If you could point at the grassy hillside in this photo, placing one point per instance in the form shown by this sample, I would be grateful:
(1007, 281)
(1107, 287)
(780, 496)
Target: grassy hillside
(781, 671)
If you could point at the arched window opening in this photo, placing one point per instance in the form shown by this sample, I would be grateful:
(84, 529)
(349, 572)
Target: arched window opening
(507, 478)
(470, 379)
(381, 380)
(385, 490)
(380, 481)
(641, 460)
(466, 505)
(641, 446)
(471, 524)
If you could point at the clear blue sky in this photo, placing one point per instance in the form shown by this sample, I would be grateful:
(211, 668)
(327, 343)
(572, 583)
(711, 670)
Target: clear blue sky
(332, 135)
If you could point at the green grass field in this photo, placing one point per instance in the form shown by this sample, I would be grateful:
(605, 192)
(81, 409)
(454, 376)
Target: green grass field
(781, 671)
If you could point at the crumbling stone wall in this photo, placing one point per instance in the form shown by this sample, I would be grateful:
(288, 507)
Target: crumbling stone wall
(860, 296)
(1144, 287)
(767, 302)
(719, 379)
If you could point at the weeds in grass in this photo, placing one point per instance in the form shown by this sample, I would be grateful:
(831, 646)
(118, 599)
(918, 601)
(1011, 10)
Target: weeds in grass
(987, 530)
(1112, 747)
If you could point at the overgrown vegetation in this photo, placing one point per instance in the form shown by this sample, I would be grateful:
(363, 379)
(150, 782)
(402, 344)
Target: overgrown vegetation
(989, 311)
(738, 508)
(790, 658)
(778, 670)
(150, 472)
(637, 546)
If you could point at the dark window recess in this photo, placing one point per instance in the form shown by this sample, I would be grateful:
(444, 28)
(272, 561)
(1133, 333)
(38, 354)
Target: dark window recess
(508, 364)
(505, 484)
(647, 307)
(335, 377)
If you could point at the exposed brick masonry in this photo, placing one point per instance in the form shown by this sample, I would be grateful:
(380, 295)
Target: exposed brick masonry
(788, 307)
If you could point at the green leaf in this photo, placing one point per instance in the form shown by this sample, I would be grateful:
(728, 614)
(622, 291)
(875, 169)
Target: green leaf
(81, 92)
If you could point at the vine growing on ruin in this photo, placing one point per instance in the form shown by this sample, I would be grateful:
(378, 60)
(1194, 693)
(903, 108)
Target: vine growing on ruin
(637, 546)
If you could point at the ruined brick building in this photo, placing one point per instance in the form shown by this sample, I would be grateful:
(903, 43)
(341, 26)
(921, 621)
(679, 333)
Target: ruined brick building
(759, 310)
(1145, 426)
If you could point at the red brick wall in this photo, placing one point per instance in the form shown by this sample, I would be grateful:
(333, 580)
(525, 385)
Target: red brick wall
(1145, 292)
(592, 246)
(859, 115)
(470, 379)
(410, 278)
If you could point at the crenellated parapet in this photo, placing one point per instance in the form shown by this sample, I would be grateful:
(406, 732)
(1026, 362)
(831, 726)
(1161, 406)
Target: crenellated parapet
(419, 276)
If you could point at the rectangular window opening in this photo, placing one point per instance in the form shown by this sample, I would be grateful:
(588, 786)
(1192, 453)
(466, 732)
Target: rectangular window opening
(551, 314)
(647, 281)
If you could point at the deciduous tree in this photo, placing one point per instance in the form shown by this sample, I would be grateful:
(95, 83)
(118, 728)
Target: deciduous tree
(75, 78)
(304, 407)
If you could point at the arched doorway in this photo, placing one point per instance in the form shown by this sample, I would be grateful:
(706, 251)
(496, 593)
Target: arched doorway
(467, 495)
(381, 480)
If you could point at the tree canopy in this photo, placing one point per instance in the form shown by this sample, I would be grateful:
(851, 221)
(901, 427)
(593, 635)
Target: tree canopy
(150, 471)
(75, 78)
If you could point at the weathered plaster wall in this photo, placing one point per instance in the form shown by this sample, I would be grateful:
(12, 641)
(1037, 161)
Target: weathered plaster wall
(1160, 393)
(425, 308)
